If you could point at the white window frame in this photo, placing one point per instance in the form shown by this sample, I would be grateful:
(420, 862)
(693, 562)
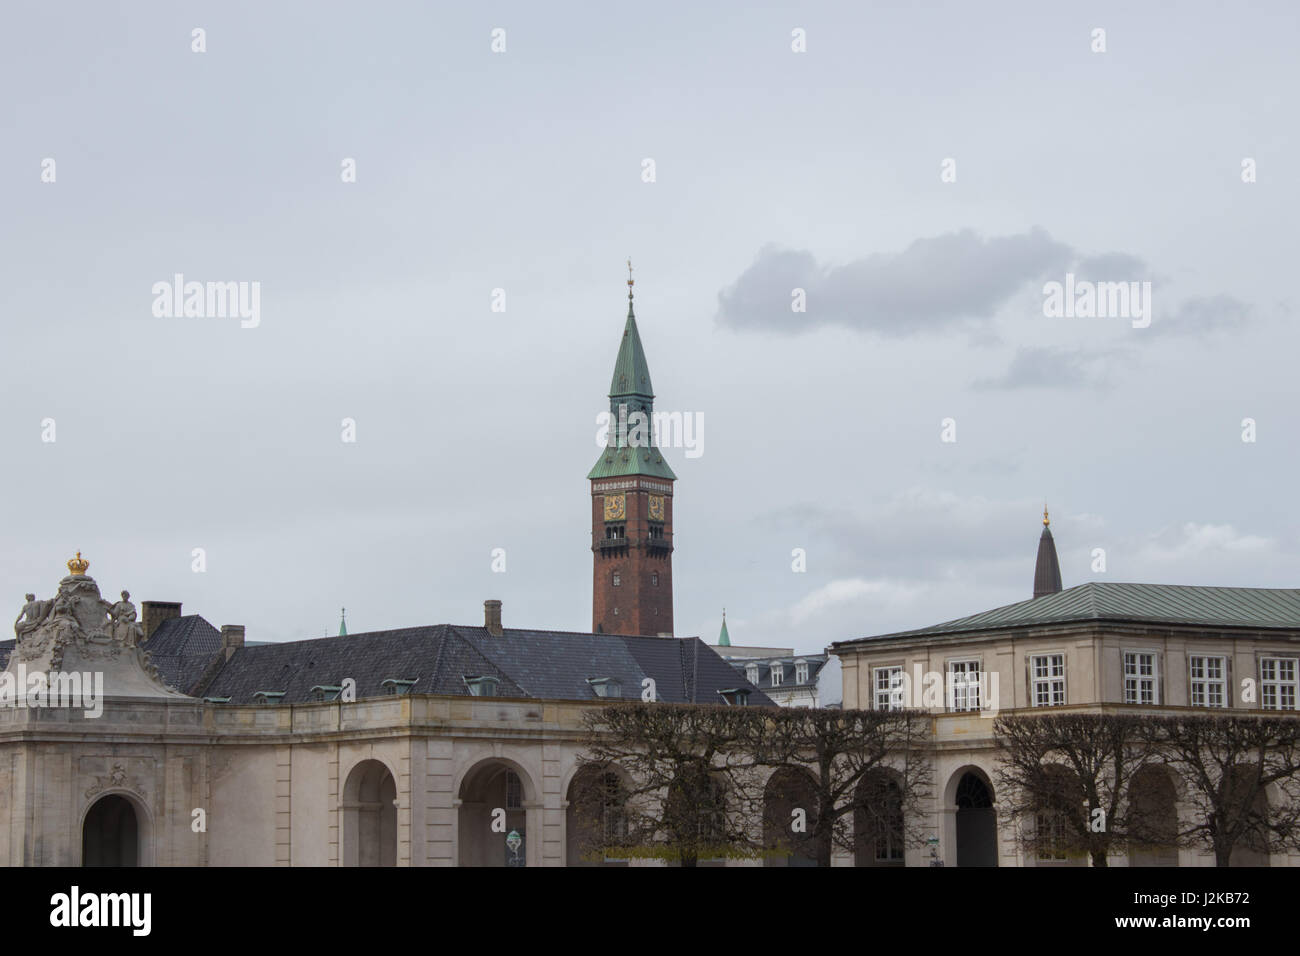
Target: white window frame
(1047, 680)
(751, 673)
(962, 688)
(801, 672)
(1141, 684)
(777, 672)
(890, 696)
(1283, 690)
(1206, 681)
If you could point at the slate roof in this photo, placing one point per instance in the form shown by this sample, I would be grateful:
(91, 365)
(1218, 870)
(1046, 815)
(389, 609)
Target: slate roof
(181, 648)
(1255, 608)
(527, 664)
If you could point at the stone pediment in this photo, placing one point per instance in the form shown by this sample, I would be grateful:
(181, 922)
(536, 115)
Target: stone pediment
(78, 631)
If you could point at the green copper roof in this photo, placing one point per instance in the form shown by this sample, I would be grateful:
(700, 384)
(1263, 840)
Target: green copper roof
(615, 462)
(631, 372)
(343, 623)
(724, 639)
(1257, 608)
(631, 387)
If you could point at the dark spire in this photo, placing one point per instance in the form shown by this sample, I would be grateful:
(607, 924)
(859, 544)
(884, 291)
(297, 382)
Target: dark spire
(1047, 570)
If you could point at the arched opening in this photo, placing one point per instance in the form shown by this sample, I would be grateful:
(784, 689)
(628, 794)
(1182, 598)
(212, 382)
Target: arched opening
(1153, 818)
(789, 819)
(370, 816)
(878, 824)
(977, 825)
(595, 822)
(110, 834)
(695, 817)
(1251, 846)
(493, 818)
(1058, 819)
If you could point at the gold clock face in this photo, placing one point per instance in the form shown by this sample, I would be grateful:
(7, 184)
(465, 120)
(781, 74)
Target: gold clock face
(615, 507)
(656, 507)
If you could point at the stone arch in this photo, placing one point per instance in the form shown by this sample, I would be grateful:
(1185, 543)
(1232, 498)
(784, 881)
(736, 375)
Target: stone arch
(116, 830)
(790, 789)
(1153, 817)
(879, 826)
(696, 803)
(1057, 819)
(497, 814)
(595, 816)
(370, 815)
(1251, 848)
(970, 795)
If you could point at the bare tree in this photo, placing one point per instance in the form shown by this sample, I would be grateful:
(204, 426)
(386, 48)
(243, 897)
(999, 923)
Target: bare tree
(1227, 766)
(870, 764)
(1065, 779)
(691, 785)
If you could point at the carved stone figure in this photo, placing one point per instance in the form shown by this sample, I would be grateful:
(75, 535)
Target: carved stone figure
(31, 616)
(63, 619)
(124, 628)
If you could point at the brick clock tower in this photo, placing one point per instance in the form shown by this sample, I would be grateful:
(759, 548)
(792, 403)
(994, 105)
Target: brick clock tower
(632, 505)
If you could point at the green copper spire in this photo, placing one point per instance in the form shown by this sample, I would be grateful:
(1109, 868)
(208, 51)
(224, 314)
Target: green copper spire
(724, 639)
(631, 371)
(631, 449)
(343, 623)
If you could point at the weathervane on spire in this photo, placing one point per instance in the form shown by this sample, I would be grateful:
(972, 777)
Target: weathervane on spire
(1046, 521)
(630, 280)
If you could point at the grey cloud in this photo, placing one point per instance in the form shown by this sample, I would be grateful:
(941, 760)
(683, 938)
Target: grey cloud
(931, 285)
(1052, 368)
(1204, 314)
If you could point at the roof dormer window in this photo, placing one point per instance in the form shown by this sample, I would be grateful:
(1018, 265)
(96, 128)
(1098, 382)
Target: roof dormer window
(267, 697)
(396, 686)
(482, 686)
(606, 686)
(325, 692)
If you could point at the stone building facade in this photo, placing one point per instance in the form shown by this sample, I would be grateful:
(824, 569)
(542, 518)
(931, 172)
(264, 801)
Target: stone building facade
(1094, 648)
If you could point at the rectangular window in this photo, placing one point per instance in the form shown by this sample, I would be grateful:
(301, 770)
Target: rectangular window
(1051, 836)
(1277, 683)
(777, 673)
(1209, 681)
(1140, 678)
(1047, 680)
(801, 673)
(964, 685)
(889, 688)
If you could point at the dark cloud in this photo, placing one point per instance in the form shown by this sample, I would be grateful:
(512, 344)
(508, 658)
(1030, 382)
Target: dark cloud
(931, 285)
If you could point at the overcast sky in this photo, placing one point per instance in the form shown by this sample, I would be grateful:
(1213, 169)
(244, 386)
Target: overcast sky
(523, 170)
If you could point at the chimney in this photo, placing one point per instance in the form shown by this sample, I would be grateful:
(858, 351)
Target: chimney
(232, 638)
(492, 617)
(153, 613)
